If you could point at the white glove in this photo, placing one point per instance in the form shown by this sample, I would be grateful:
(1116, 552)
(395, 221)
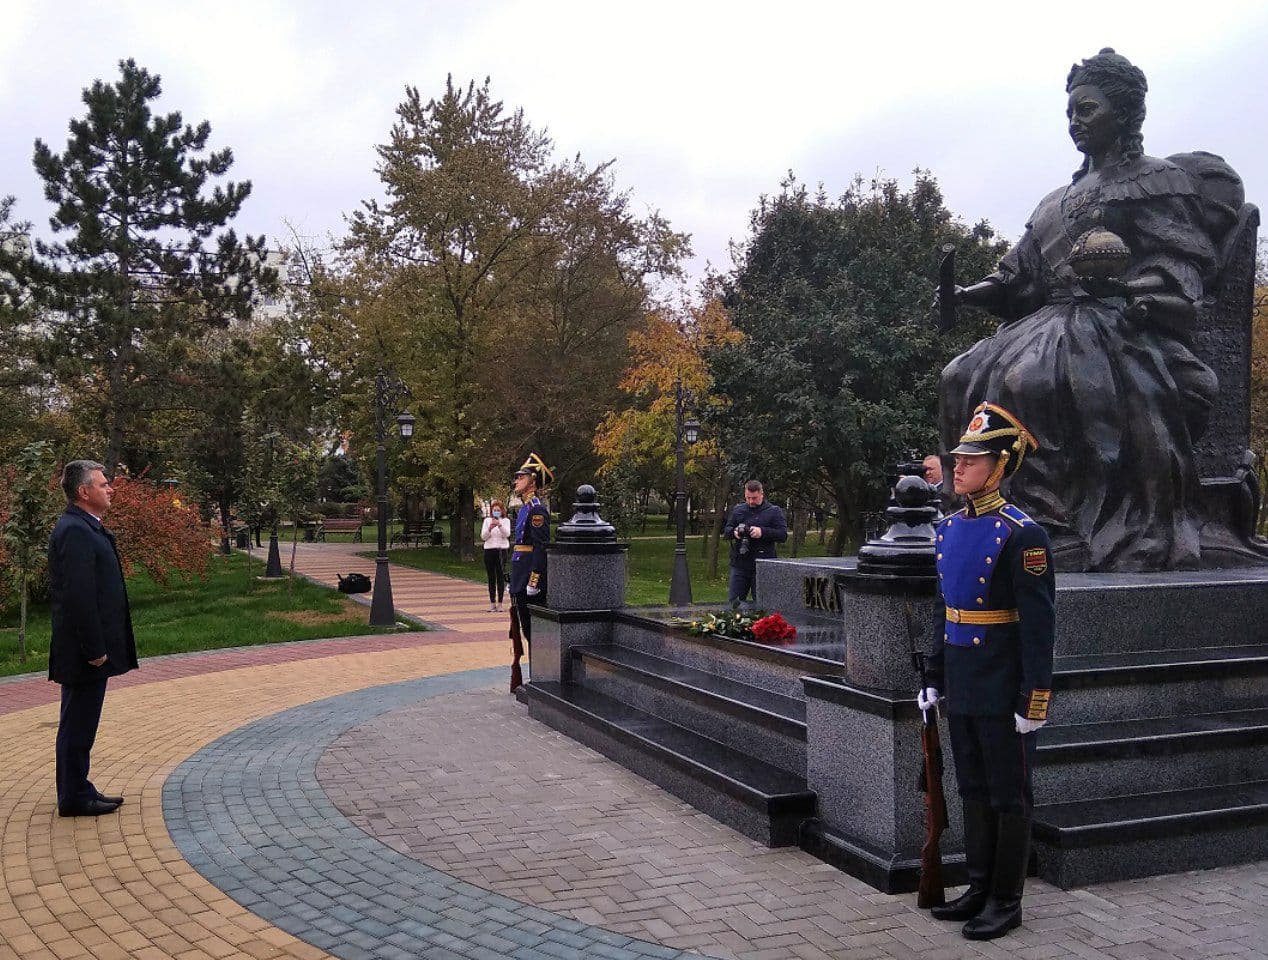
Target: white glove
(1026, 726)
(532, 591)
(927, 698)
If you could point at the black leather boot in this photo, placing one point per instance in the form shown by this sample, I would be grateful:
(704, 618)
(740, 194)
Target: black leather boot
(979, 858)
(1012, 856)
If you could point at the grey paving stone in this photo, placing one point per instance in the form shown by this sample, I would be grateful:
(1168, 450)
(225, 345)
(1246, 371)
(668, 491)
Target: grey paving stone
(514, 851)
(249, 814)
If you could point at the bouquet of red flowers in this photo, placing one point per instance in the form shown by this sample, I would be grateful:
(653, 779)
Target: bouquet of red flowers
(773, 629)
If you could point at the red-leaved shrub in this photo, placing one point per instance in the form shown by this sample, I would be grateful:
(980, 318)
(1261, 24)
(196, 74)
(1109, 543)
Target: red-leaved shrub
(156, 530)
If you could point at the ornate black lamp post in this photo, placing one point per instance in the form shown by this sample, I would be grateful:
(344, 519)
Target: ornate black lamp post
(687, 431)
(388, 394)
(273, 568)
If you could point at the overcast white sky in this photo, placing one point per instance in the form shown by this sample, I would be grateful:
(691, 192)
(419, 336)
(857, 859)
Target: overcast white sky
(704, 106)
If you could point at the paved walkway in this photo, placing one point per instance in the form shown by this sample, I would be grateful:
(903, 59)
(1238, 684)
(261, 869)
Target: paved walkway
(453, 604)
(116, 886)
(384, 797)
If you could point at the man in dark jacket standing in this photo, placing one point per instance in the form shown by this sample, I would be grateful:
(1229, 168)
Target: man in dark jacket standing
(754, 527)
(92, 630)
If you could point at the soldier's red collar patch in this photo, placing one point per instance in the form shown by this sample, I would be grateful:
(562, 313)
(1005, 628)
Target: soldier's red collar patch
(1035, 560)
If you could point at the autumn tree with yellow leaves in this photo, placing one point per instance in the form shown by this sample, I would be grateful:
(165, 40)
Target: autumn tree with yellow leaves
(636, 440)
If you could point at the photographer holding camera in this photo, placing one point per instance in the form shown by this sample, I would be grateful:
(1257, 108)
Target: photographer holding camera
(754, 527)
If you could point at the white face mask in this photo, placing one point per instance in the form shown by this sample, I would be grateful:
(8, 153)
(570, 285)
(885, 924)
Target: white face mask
(496, 514)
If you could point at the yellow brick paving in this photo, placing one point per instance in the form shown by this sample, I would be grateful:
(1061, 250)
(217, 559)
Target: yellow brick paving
(116, 886)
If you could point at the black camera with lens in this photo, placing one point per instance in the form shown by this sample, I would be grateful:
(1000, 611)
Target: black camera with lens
(741, 531)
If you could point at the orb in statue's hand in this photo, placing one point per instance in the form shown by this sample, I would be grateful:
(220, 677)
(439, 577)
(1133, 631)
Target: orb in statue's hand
(1099, 254)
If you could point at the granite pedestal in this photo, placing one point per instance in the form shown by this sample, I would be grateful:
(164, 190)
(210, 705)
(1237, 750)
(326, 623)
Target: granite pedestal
(587, 582)
(1156, 756)
(1154, 759)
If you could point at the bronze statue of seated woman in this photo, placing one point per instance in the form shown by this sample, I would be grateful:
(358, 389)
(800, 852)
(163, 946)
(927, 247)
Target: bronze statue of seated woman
(1100, 302)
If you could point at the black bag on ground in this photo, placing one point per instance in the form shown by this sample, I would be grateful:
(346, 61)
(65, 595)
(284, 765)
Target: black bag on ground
(355, 583)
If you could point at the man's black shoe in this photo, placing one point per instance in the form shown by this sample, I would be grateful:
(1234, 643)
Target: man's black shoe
(117, 801)
(93, 808)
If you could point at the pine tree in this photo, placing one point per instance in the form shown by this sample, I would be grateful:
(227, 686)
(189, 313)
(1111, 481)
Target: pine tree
(145, 262)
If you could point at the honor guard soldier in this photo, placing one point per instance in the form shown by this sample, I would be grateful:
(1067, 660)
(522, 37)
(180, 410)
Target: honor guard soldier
(532, 534)
(992, 660)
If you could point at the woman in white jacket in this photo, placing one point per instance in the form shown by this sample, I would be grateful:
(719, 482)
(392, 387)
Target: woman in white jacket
(496, 534)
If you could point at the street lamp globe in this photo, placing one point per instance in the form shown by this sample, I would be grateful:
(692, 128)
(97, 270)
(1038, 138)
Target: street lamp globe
(691, 430)
(406, 422)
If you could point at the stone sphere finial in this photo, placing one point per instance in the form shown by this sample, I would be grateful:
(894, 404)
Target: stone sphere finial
(912, 491)
(906, 549)
(586, 526)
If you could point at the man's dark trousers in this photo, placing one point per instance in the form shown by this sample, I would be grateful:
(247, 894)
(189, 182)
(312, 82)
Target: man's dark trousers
(742, 588)
(993, 762)
(76, 733)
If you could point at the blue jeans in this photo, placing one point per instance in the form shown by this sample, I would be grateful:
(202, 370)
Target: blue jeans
(742, 589)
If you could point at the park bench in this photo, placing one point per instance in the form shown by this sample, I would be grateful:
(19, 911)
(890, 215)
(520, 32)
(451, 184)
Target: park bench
(414, 532)
(350, 525)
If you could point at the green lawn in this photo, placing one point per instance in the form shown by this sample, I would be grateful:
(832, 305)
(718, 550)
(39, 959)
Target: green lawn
(231, 608)
(650, 566)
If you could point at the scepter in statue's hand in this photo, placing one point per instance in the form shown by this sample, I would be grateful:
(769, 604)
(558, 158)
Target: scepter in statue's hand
(947, 298)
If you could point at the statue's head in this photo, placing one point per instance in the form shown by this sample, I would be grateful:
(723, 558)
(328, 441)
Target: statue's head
(1112, 79)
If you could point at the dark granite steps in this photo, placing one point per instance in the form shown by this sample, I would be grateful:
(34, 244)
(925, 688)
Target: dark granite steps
(756, 798)
(1148, 683)
(769, 726)
(1086, 760)
(1137, 835)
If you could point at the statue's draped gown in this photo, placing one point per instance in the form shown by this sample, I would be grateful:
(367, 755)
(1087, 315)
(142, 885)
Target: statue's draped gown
(1115, 402)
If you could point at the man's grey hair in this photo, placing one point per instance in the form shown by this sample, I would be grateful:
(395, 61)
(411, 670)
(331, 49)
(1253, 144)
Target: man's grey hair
(75, 475)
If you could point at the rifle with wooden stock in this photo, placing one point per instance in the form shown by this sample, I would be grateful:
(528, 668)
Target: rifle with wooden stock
(930, 892)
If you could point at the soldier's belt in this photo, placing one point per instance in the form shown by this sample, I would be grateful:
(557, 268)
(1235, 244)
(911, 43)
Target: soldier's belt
(982, 616)
(524, 548)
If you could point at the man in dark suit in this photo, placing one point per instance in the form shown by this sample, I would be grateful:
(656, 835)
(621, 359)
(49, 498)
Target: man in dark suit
(92, 630)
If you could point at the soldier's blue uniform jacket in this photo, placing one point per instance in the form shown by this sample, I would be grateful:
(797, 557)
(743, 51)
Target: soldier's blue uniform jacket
(992, 650)
(528, 557)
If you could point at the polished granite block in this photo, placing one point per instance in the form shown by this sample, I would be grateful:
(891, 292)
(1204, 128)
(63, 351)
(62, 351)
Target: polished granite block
(586, 577)
(864, 766)
(881, 634)
(549, 660)
(1123, 612)
(803, 586)
(556, 633)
